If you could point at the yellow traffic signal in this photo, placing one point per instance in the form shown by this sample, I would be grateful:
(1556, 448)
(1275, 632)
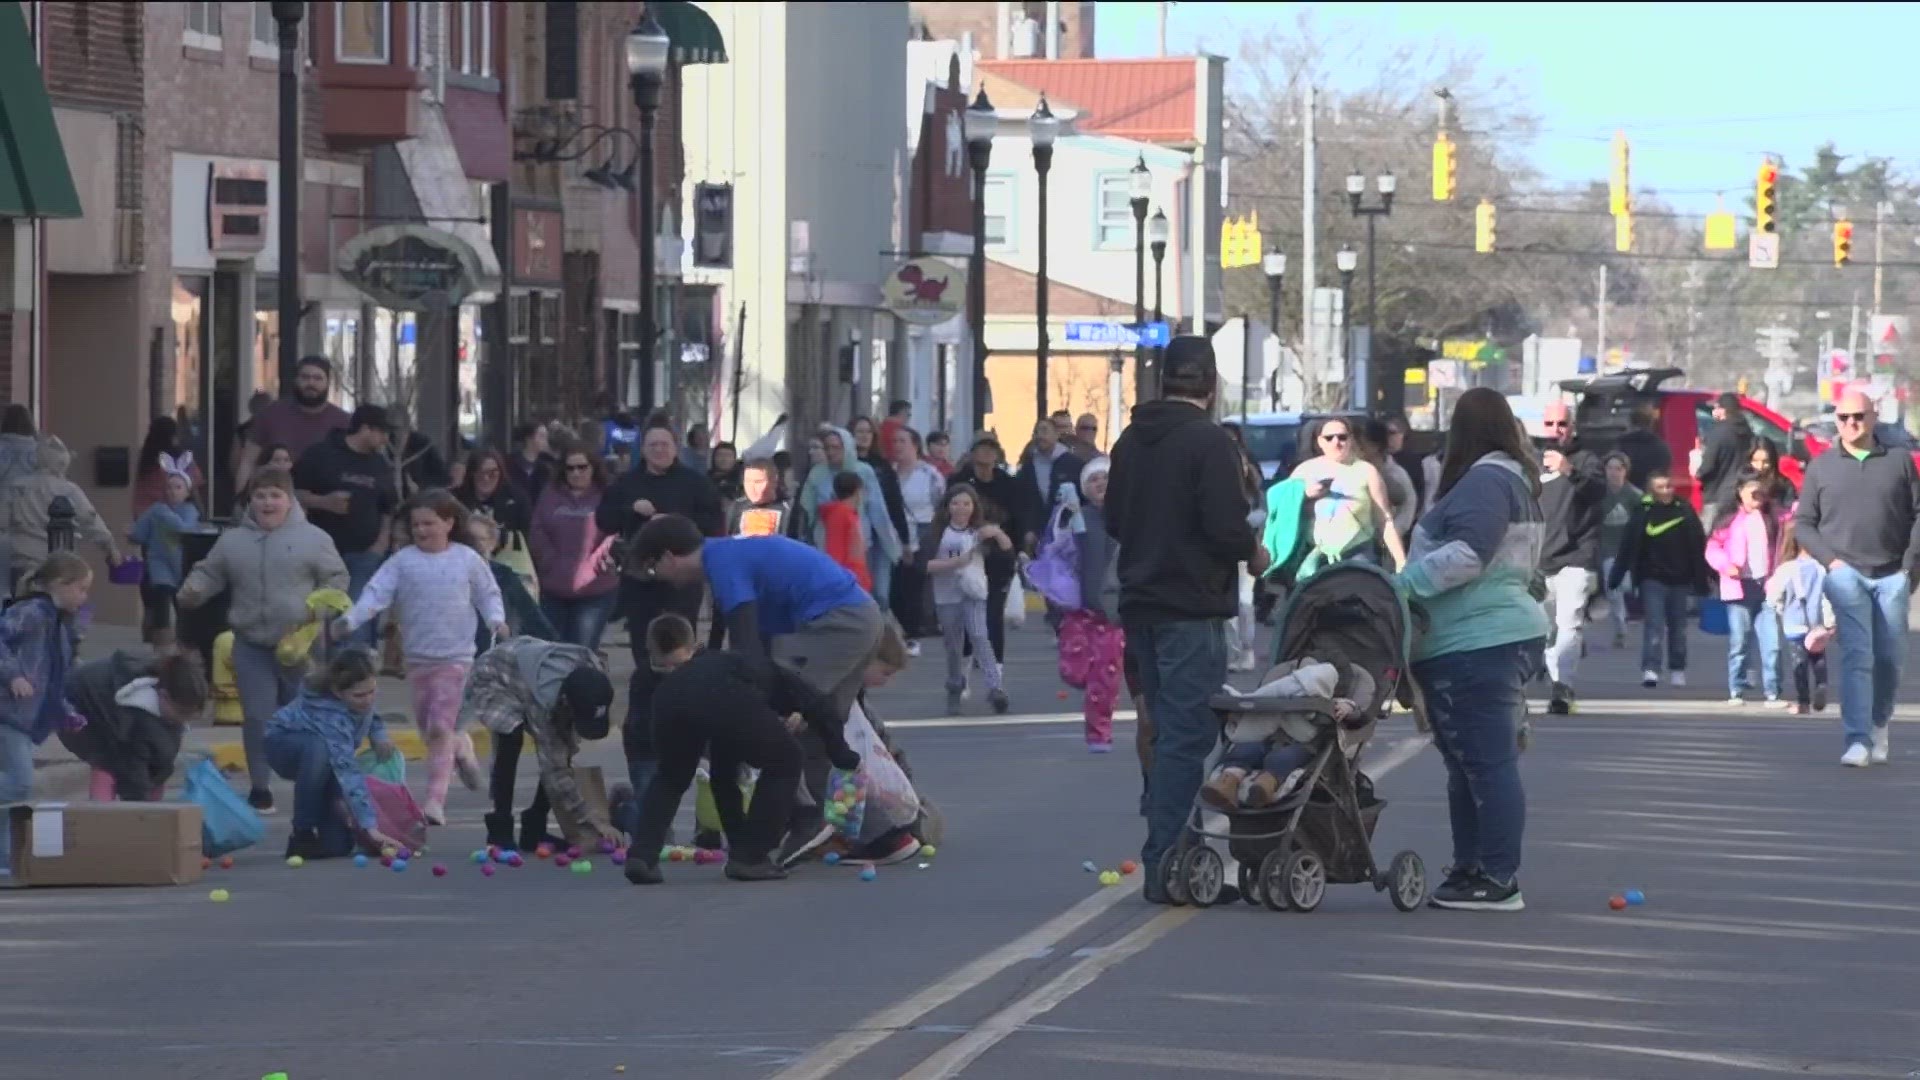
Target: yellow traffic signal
(1240, 242)
(1623, 232)
(1483, 227)
(1445, 168)
(1619, 199)
(1842, 242)
(1766, 198)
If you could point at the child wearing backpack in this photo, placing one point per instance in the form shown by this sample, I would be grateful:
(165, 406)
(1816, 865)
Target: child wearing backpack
(37, 641)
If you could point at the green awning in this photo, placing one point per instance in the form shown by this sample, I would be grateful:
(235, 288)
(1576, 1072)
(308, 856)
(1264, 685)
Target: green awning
(35, 181)
(696, 40)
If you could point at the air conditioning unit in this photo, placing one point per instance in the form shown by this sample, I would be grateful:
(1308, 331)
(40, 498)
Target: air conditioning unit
(236, 209)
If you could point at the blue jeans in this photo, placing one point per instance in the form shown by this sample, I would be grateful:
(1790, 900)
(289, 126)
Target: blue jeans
(1181, 665)
(1666, 624)
(264, 686)
(1750, 620)
(881, 569)
(579, 620)
(361, 566)
(16, 780)
(1870, 629)
(1475, 702)
(301, 757)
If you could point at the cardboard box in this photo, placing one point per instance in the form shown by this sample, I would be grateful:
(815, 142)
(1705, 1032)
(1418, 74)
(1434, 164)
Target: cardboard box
(593, 785)
(104, 843)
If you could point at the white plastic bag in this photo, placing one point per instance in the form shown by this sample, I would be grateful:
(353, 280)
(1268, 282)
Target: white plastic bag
(875, 799)
(1016, 603)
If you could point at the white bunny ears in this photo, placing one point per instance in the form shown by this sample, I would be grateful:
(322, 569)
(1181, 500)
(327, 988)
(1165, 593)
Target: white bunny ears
(178, 466)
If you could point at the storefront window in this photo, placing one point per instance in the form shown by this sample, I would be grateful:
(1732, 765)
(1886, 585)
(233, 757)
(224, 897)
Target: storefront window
(469, 374)
(187, 398)
(265, 374)
(341, 344)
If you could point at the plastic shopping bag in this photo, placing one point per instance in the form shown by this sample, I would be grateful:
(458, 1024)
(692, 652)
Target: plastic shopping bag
(227, 823)
(706, 813)
(393, 770)
(396, 814)
(1056, 572)
(323, 606)
(1016, 614)
(874, 799)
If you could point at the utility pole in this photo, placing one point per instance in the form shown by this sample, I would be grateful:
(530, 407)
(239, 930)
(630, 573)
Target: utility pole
(1879, 230)
(1309, 187)
(1600, 348)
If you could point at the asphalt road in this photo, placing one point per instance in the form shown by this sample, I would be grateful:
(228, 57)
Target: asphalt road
(1777, 938)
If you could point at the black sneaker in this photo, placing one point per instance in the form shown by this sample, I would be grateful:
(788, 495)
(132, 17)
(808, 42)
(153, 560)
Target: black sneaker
(1561, 703)
(754, 871)
(803, 841)
(1454, 878)
(644, 873)
(1478, 892)
(499, 829)
(261, 800)
(1819, 697)
(710, 839)
(306, 844)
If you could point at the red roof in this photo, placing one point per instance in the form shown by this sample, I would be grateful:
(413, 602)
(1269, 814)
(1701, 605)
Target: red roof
(1150, 100)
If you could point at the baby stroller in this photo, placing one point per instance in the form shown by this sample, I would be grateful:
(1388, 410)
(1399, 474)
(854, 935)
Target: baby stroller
(1320, 832)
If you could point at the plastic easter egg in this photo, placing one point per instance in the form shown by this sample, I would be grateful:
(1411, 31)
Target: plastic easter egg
(584, 866)
(928, 850)
(869, 874)
(439, 870)
(1129, 866)
(205, 862)
(619, 856)
(1617, 902)
(386, 860)
(544, 851)
(360, 860)
(404, 855)
(482, 856)
(388, 852)
(486, 869)
(1636, 897)
(606, 846)
(514, 859)
(226, 862)
(563, 860)
(399, 866)
(831, 857)
(219, 896)
(296, 861)
(492, 852)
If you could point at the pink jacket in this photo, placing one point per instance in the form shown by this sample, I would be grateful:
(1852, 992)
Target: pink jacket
(1727, 551)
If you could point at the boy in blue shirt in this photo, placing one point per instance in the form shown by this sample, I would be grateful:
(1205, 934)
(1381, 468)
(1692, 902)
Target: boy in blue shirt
(786, 603)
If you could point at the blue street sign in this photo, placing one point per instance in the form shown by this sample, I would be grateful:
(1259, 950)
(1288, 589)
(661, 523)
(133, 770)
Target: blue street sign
(1119, 334)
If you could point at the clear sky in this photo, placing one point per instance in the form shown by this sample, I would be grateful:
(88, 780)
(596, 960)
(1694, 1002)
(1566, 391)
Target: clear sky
(1703, 90)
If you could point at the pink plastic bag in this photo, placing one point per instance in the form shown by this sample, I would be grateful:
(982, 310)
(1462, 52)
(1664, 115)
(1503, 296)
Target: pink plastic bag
(396, 814)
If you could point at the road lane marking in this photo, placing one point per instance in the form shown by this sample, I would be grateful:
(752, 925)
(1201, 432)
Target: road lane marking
(835, 1054)
(964, 1051)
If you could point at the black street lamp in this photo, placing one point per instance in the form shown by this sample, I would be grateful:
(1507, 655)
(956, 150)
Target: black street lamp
(1274, 264)
(1157, 231)
(647, 51)
(980, 126)
(286, 17)
(1356, 194)
(1346, 260)
(1140, 189)
(1042, 128)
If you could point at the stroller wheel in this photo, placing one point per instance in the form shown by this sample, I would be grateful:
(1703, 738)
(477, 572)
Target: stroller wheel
(1205, 874)
(1250, 884)
(1304, 879)
(1272, 878)
(1171, 865)
(1407, 881)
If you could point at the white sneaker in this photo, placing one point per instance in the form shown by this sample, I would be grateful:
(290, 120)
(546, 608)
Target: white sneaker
(1882, 746)
(1736, 701)
(1649, 678)
(1678, 678)
(913, 648)
(1855, 757)
(1778, 703)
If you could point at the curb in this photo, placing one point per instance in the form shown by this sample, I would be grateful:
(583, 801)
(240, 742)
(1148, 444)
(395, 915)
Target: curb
(231, 755)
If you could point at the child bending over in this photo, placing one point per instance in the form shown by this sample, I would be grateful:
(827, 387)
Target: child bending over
(736, 712)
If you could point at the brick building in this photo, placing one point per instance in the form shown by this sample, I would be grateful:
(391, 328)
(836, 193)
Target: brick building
(1007, 30)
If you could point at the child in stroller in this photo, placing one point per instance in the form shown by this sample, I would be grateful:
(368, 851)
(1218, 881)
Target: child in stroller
(1260, 763)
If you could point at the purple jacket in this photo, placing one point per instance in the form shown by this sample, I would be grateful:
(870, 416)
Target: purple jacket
(568, 546)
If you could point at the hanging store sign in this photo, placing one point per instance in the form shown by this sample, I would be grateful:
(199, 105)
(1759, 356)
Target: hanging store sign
(713, 226)
(410, 267)
(925, 291)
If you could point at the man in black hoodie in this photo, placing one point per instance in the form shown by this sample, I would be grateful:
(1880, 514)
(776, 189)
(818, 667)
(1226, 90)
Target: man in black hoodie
(1176, 505)
(1573, 501)
(1664, 549)
(657, 486)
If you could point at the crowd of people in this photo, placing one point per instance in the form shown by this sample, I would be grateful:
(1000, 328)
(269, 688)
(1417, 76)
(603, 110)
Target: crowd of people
(491, 582)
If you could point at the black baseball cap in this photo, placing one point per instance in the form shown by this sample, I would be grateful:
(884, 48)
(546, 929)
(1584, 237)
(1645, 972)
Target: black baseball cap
(587, 694)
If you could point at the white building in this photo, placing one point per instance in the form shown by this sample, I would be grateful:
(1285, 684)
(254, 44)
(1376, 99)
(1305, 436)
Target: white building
(808, 126)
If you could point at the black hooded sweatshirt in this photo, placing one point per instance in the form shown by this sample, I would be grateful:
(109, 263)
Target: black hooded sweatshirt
(135, 746)
(1176, 505)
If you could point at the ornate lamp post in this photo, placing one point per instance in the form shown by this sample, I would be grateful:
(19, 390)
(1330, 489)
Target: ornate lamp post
(1042, 128)
(1139, 190)
(980, 125)
(647, 52)
(286, 17)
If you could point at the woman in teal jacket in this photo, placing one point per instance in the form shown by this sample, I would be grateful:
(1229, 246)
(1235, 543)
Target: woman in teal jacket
(1471, 569)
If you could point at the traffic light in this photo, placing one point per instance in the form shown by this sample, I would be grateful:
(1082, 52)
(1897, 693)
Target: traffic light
(1722, 233)
(1446, 168)
(1483, 227)
(1623, 232)
(1842, 242)
(1619, 201)
(1766, 198)
(1240, 242)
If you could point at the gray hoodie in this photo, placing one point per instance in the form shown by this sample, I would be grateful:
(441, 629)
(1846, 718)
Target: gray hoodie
(25, 497)
(267, 575)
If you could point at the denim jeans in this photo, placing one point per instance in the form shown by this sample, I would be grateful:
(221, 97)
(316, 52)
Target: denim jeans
(580, 620)
(16, 780)
(1870, 630)
(1751, 622)
(264, 686)
(361, 566)
(880, 568)
(301, 757)
(1475, 703)
(1181, 666)
(1665, 624)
